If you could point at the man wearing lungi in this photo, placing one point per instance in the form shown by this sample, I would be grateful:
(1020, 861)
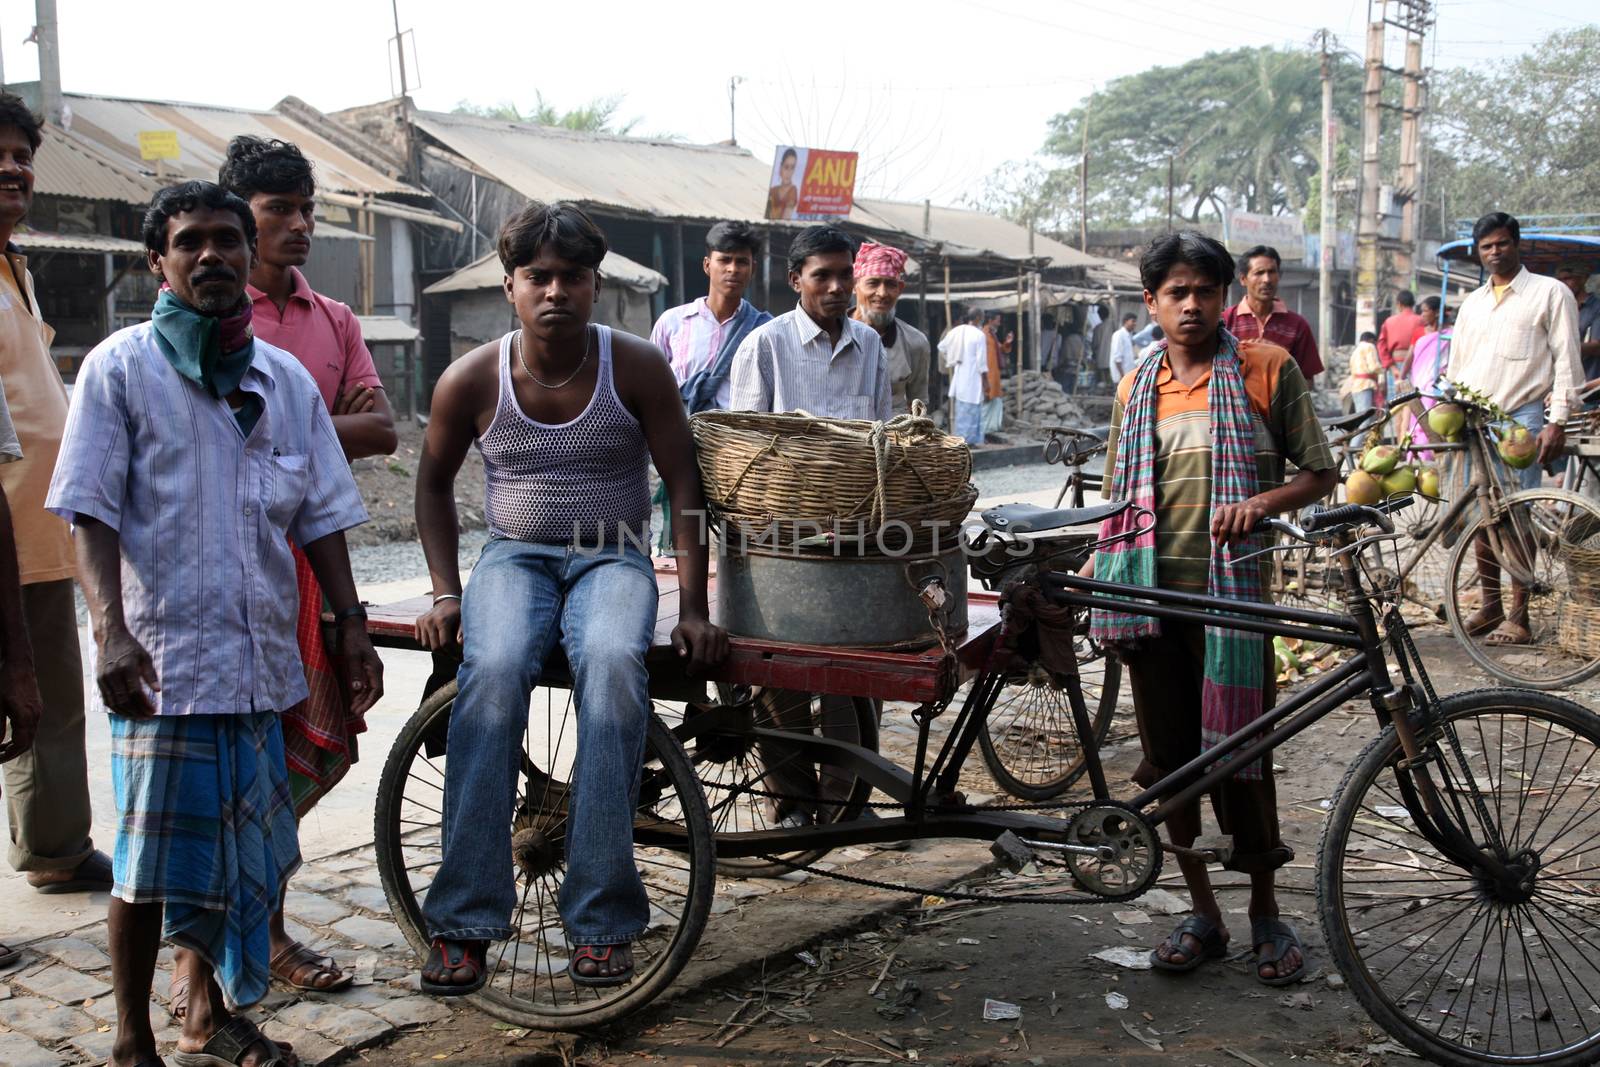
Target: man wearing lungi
(319, 733)
(193, 452)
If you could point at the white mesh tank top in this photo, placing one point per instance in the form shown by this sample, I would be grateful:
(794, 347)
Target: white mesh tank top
(580, 482)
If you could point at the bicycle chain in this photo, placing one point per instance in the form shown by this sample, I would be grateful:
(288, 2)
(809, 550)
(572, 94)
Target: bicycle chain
(948, 894)
(1041, 805)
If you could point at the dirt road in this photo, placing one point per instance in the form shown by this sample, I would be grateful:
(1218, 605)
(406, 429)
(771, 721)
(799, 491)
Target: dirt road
(913, 987)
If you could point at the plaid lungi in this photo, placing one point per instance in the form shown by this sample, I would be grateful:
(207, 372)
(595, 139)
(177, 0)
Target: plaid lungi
(319, 733)
(205, 827)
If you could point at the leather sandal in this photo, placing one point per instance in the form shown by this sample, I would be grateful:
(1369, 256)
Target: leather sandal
(1203, 930)
(227, 1048)
(296, 958)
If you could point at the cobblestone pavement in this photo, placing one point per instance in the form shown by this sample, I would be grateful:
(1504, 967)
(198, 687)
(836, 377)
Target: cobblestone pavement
(56, 1007)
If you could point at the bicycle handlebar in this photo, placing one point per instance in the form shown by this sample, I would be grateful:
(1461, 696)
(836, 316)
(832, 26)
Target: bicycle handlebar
(1345, 515)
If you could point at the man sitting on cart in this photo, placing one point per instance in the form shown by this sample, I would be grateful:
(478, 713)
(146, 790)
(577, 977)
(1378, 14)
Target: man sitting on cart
(567, 416)
(1199, 434)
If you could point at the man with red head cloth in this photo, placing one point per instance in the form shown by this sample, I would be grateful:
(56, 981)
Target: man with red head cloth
(879, 281)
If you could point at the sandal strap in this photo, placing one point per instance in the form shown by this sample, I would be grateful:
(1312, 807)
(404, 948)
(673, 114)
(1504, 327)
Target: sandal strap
(1275, 933)
(471, 955)
(1199, 927)
(589, 952)
(233, 1040)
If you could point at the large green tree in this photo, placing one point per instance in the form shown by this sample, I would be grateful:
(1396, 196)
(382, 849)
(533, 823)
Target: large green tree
(1239, 129)
(1522, 135)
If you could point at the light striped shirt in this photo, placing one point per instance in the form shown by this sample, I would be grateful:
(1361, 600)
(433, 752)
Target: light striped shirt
(691, 337)
(1522, 349)
(788, 365)
(203, 513)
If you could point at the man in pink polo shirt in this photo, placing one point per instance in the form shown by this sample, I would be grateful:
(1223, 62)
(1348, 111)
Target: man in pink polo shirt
(319, 734)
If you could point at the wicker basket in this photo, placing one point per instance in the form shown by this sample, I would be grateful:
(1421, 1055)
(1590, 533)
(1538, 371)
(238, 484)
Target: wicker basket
(1578, 630)
(1579, 550)
(840, 474)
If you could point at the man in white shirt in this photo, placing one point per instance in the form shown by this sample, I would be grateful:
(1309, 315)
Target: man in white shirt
(1516, 340)
(816, 358)
(1122, 350)
(964, 352)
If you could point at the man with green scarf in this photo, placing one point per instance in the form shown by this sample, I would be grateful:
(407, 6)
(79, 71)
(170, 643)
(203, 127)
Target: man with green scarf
(193, 452)
(1200, 434)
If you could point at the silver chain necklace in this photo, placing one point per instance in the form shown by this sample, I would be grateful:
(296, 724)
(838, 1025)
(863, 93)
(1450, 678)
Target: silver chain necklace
(588, 343)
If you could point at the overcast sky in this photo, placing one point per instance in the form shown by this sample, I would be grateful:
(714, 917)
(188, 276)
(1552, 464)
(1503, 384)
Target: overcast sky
(935, 94)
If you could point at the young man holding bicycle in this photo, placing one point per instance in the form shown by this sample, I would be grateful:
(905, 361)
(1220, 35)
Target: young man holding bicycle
(1200, 437)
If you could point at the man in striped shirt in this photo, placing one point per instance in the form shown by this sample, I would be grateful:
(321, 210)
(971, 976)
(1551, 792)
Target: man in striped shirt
(1185, 280)
(193, 453)
(816, 358)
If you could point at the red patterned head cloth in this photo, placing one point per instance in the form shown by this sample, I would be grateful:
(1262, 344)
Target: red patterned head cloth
(879, 261)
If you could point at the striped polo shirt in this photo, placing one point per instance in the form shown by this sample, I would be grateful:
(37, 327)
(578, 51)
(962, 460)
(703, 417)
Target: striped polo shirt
(1286, 428)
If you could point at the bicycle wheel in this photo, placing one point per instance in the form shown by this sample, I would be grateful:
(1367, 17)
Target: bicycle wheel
(528, 983)
(753, 786)
(1460, 966)
(1029, 740)
(1543, 535)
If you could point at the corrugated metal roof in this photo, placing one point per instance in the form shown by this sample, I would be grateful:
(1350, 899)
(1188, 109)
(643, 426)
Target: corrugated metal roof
(65, 166)
(964, 231)
(386, 329)
(487, 273)
(204, 132)
(671, 179)
(45, 241)
(667, 179)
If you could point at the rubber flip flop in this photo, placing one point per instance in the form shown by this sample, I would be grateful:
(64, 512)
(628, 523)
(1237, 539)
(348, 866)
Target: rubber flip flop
(1282, 937)
(470, 954)
(599, 954)
(1202, 929)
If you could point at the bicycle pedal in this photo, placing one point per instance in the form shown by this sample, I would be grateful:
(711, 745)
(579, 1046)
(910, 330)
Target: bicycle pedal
(1210, 848)
(1011, 853)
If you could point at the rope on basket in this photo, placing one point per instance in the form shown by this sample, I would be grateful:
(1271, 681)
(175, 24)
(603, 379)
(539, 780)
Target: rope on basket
(877, 435)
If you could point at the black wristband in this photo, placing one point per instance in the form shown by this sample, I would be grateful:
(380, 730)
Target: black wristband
(359, 611)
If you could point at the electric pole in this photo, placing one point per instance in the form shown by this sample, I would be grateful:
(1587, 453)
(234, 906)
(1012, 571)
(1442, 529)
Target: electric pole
(1329, 230)
(399, 47)
(1083, 179)
(733, 122)
(1410, 183)
(1367, 216)
(1412, 18)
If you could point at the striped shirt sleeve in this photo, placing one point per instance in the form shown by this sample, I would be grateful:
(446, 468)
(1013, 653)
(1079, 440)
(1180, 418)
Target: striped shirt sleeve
(91, 475)
(1295, 422)
(1112, 440)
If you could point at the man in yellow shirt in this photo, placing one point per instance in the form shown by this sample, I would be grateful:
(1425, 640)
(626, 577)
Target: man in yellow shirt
(46, 790)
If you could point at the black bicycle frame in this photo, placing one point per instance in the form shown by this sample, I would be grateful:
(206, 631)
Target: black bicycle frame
(928, 792)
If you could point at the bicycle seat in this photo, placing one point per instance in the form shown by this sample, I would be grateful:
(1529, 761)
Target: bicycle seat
(1030, 518)
(1347, 423)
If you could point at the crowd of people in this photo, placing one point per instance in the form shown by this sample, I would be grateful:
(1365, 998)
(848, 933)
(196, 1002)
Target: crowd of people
(198, 488)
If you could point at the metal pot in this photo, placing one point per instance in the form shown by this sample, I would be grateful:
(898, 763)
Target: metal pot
(859, 601)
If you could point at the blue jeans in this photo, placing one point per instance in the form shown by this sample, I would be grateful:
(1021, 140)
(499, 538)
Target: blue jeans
(1363, 400)
(522, 599)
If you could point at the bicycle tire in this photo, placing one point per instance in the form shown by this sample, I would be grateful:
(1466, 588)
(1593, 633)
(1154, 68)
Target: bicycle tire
(1506, 665)
(1055, 720)
(657, 964)
(1424, 900)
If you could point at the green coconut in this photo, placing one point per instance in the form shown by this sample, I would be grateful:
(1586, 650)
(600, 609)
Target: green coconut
(1518, 448)
(1362, 488)
(1380, 460)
